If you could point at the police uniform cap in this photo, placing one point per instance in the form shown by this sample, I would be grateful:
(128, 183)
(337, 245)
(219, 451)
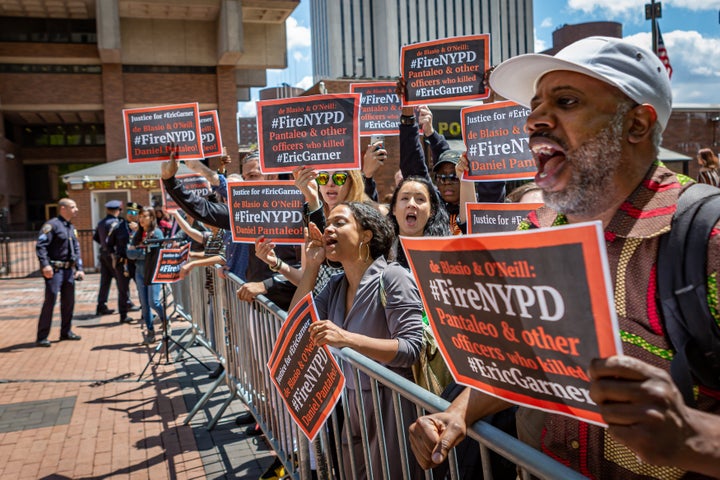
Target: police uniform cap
(133, 206)
(113, 205)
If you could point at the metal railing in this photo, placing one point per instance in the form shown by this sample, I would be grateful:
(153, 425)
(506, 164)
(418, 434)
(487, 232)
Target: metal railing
(243, 338)
(18, 258)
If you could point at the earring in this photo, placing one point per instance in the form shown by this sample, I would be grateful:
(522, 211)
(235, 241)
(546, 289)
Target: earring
(367, 253)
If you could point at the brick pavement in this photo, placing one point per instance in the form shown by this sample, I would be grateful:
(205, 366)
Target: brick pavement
(76, 410)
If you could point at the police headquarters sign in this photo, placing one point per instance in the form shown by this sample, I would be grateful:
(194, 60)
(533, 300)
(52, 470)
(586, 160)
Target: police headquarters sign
(497, 142)
(270, 209)
(446, 70)
(520, 315)
(148, 131)
(210, 133)
(497, 217)
(320, 131)
(380, 108)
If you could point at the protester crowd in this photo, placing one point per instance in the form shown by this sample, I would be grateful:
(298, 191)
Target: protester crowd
(598, 110)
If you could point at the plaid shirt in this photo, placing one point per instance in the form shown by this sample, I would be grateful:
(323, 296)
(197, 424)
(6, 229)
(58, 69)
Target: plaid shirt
(632, 238)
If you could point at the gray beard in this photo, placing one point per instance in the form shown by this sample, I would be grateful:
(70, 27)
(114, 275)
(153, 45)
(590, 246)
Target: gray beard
(594, 165)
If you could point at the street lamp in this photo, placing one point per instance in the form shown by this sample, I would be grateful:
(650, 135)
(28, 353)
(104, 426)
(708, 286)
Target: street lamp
(653, 11)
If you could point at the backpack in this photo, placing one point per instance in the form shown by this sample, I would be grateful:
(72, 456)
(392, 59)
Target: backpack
(681, 279)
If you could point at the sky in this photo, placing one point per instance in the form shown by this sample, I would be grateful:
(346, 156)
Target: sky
(690, 30)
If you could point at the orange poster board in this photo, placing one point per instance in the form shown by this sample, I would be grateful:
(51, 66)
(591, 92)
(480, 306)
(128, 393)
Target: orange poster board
(520, 315)
(149, 131)
(307, 376)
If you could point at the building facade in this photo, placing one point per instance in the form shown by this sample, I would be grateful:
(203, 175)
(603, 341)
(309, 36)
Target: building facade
(69, 67)
(362, 39)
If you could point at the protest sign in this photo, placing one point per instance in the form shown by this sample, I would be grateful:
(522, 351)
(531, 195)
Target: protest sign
(272, 209)
(170, 260)
(320, 131)
(210, 133)
(446, 70)
(380, 108)
(191, 182)
(520, 315)
(148, 131)
(497, 142)
(307, 376)
(496, 217)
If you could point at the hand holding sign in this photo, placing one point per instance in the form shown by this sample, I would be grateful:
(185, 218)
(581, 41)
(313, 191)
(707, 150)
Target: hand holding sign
(314, 246)
(169, 169)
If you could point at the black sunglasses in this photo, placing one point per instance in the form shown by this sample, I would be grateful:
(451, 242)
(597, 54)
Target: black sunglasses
(441, 178)
(338, 178)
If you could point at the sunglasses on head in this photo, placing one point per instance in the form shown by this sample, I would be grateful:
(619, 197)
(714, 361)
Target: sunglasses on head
(441, 178)
(338, 178)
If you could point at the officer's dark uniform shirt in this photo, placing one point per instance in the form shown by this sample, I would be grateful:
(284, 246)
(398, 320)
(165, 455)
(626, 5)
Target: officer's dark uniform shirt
(119, 237)
(58, 242)
(102, 230)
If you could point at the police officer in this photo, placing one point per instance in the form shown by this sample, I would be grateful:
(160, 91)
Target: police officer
(58, 251)
(117, 240)
(107, 269)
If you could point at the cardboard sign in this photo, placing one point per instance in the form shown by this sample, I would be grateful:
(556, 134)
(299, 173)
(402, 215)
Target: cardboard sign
(497, 142)
(380, 108)
(320, 131)
(520, 315)
(170, 260)
(210, 133)
(191, 182)
(446, 70)
(272, 209)
(496, 217)
(148, 131)
(307, 376)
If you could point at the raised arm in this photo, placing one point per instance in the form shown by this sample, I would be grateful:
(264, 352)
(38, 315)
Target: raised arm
(185, 226)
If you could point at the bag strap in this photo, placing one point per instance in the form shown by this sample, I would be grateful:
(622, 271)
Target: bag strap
(681, 278)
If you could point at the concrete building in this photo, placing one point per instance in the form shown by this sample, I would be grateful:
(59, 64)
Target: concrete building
(69, 67)
(352, 39)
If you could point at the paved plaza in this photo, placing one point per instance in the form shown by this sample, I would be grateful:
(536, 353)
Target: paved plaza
(77, 410)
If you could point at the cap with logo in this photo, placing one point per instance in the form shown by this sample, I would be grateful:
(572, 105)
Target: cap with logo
(635, 71)
(448, 156)
(133, 206)
(113, 205)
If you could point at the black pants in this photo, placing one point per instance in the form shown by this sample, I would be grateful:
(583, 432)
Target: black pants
(107, 274)
(62, 282)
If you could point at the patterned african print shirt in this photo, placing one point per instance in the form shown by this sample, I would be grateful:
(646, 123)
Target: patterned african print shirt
(632, 239)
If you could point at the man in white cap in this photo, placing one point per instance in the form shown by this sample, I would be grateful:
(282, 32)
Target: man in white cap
(598, 109)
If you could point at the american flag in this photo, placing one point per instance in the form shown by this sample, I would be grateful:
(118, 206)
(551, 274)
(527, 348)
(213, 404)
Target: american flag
(662, 52)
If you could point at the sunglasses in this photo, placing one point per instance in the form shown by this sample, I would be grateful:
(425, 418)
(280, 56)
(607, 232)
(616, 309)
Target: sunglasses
(338, 178)
(441, 178)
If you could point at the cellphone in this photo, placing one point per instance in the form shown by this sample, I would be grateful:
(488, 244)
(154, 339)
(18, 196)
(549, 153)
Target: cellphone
(377, 138)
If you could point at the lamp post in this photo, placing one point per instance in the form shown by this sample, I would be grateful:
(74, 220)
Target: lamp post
(653, 11)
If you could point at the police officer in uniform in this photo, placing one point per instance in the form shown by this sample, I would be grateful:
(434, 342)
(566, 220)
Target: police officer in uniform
(58, 251)
(117, 240)
(107, 270)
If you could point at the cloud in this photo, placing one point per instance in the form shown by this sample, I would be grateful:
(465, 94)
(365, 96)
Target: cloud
(300, 56)
(695, 77)
(247, 109)
(546, 23)
(540, 45)
(297, 35)
(633, 8)
(305, 83)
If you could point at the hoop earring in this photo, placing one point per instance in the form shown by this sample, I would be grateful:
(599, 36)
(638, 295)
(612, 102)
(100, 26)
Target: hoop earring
(367, 253)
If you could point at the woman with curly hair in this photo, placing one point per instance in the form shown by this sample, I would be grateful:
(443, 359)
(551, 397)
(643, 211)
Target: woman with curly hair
(374, 308)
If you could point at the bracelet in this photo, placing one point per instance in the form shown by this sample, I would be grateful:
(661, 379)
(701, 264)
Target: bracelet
(278, 265)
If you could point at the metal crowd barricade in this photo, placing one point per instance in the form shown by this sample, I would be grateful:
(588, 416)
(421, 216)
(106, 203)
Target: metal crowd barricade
(246, 334)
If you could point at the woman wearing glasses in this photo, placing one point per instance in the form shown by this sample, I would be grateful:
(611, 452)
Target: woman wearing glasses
(374, 308)
(322, 190)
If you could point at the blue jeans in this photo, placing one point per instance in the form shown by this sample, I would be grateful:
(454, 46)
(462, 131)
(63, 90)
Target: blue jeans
(149, 297)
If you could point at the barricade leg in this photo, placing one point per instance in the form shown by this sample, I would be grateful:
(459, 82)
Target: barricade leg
(220, 412)
(201, 403)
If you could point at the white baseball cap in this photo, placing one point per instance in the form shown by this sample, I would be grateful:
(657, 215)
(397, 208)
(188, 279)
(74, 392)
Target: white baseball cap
(636, 71)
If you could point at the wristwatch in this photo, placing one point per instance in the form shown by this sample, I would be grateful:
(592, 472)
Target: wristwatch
(407, 119)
